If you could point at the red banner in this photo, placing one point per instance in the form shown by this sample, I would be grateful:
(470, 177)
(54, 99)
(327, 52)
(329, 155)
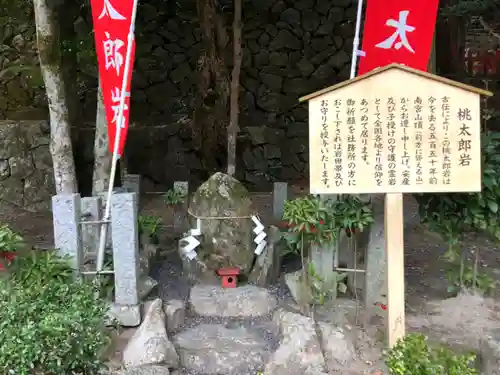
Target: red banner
(111, 28)
(398, 31)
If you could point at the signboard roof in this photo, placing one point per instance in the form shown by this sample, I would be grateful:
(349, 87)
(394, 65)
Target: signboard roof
(400, 67)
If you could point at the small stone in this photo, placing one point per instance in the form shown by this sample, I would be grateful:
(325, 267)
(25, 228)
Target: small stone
(299, 350)
(175, 311)
(279, 59)
(215, 349)
(18, 42)
(146, 286)
(150, 344)
(244, 301)
(291, 16)
(337, 346)
(311, 20)
(126, 316)
(4, 169)
(305, 67)
(339, 59)
(272, 81)
(285, 39)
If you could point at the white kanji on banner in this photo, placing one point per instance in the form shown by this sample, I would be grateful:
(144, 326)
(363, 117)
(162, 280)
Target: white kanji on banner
(401, 29)
(114, 58)
(115, 98)
(110, 11)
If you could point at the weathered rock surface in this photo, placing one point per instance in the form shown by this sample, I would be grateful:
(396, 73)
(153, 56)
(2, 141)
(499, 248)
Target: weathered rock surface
(26, 177)
(266, 270)
(244, 301)
(490, 353)
(299, 350)
(300, 293)
(224, 243)
(150, 345)
(175, 311)
(146, 370)
(215, 349)
(337, 346)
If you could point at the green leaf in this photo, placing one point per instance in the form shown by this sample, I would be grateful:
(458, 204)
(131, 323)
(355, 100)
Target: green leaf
(493, 206)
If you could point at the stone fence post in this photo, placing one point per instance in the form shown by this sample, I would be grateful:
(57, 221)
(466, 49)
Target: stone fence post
(66, 213)
(125, 242)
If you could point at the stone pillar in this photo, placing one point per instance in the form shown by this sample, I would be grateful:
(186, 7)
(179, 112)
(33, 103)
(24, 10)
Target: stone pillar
(180, 212)
(132, 184)
(280, 195)
(104, 196)
(125, 239)
(91, 211)
(66, 213)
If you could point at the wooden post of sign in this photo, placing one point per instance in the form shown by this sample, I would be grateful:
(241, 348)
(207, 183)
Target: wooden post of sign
(394, 243)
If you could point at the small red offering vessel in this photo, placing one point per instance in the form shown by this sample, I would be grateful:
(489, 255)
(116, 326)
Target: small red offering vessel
(229, 277)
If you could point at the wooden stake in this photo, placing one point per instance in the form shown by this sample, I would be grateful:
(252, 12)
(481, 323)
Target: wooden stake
(394, 243)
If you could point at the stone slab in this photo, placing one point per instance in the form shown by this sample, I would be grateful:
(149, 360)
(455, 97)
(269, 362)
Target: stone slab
(66, 213)
(125, 238)
(132, 184)
(244, 301)
(280, 195)
(91, 211)
(180, 212)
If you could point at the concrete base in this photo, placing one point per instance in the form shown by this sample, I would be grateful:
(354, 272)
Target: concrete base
(126, 316)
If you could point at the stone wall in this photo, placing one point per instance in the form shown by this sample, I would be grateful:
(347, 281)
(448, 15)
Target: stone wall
(26, 177)
(291, 48)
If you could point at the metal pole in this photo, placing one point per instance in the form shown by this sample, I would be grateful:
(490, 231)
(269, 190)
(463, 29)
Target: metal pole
(107, 211)
(355, 45)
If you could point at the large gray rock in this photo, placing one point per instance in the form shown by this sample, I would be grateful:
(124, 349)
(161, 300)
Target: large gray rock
(244, 301)
(300, 350)
(224, 243)
(150, 344)
(215, 349)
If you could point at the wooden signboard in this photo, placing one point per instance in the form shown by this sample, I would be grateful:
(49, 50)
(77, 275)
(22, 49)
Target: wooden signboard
(395, 130)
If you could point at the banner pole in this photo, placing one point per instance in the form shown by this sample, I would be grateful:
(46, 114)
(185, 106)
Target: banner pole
(355, 45)
(107, 211)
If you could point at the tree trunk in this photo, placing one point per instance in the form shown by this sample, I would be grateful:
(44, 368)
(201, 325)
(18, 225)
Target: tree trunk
(233, 128)
(102, 156)
(47, 34)
(211, 109)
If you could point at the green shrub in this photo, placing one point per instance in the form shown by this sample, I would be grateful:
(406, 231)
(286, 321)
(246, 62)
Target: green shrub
(454, 214)
(414, 356)
(38, 268)
(10, 242)
(50, 324)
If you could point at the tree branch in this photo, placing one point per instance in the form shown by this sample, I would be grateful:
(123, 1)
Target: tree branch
(488, 28)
